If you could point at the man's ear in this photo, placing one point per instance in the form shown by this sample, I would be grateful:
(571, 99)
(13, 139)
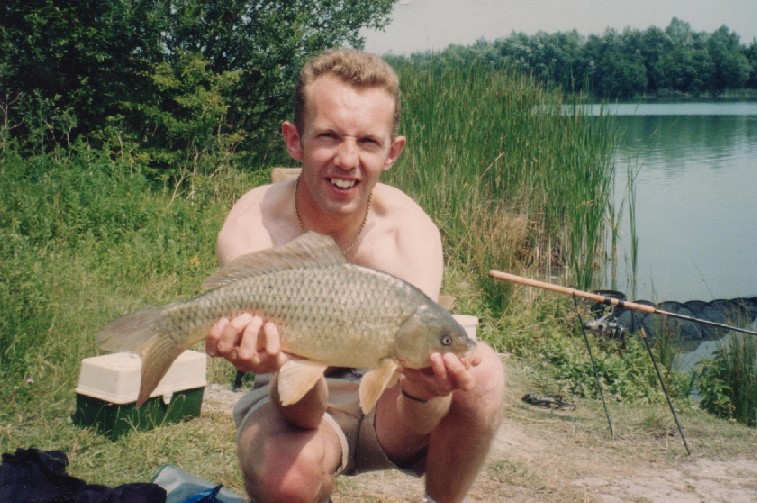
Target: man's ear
(292, 140)
(398, 143)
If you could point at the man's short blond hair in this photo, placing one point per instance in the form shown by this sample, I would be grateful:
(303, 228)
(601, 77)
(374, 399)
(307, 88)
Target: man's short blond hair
(358, 69)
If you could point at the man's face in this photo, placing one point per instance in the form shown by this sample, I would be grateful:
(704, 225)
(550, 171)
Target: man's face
(346, 143)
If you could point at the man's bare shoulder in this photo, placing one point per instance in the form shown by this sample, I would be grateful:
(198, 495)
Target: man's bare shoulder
(255, 221)
(404, 213)
(406, 241)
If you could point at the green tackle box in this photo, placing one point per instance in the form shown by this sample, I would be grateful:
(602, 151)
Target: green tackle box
(109, 385)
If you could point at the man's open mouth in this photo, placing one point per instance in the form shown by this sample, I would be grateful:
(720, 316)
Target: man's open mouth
(342, 183)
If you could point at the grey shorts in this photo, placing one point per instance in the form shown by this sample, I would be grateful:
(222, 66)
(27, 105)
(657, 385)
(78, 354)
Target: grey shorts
(361, 451)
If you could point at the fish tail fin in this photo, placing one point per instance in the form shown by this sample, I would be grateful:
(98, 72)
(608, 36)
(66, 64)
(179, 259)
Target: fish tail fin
(130, 332)
(140, 332)
(157, 356)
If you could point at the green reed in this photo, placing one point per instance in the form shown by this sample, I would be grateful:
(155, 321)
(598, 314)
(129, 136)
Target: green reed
(728, 381)
(511, 179)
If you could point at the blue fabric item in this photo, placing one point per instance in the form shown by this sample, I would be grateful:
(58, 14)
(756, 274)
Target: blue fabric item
(182, 487)
(206, 496)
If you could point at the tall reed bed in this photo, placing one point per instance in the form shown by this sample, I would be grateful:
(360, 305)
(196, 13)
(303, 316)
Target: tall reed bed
(512, 180)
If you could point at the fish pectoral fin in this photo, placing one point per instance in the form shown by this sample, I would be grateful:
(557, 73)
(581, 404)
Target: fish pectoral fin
(297, 377)
(374, 382)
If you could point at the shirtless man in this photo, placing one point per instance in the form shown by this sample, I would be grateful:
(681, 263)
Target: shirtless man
(437, 421)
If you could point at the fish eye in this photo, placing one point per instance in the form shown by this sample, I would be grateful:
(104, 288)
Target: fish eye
(446, 340)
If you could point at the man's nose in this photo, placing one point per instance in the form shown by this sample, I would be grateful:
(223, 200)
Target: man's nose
(347, 154)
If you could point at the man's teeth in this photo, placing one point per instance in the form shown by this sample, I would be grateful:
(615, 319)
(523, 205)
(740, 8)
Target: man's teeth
(343, 184)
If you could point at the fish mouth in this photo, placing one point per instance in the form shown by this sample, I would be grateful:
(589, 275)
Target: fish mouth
(470, 353)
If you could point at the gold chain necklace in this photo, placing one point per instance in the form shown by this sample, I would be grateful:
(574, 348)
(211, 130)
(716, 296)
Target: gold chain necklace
(352, 244)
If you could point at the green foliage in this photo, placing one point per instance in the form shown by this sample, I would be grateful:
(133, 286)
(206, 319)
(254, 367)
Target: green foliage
(173, 75)
(80, 57)
(187, 121)
(83, 239)
(728, 382)
(267, 43)
(549, 335)
(714, 390)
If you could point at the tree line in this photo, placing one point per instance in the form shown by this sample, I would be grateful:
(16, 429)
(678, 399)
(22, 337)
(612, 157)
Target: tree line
(655, 62)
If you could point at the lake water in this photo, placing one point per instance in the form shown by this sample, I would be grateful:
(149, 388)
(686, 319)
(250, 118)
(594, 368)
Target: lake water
(695, 169)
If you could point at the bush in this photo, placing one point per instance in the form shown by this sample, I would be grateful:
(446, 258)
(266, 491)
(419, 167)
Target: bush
(728, 381)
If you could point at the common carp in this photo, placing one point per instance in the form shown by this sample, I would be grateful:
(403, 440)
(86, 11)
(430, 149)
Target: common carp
(328, 313)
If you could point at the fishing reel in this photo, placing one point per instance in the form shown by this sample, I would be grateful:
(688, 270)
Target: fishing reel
(606, 326)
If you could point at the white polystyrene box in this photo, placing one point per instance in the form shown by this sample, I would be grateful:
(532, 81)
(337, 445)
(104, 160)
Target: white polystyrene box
(115, 377)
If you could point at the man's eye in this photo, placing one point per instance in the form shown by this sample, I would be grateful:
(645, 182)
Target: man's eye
(370, 141)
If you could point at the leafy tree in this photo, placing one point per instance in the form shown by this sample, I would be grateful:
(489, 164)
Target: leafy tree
(76, 58)
(654, 44)
(267, 43)
(750, 53)
(618, 74)
(730, 67)
(655, 61)
(98, 63)
(189, 123)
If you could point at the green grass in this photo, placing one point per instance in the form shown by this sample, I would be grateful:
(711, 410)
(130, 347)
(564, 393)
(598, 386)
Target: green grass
(84, 240)
(728, 381)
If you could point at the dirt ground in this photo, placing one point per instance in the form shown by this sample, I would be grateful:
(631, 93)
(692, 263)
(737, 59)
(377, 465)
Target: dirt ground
(568, 455)
(526, 465)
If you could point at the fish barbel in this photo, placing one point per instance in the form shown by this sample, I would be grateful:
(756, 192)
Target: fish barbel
(328, 313)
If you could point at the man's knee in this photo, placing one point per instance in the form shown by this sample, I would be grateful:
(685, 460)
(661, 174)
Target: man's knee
(484, 402)
(280, 468)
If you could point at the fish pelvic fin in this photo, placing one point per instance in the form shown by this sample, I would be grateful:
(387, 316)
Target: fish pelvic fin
(157, 356)
(311, 250)
(130, 332)
(296, 378)
(374, 382)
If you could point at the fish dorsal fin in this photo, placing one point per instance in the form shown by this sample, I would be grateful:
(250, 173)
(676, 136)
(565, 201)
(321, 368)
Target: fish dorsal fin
(311, 250)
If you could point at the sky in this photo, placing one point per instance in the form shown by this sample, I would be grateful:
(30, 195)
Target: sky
(421, 25)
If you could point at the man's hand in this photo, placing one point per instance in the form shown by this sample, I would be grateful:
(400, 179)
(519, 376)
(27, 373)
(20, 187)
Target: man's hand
(426, 394)
(250, 344)
(446, 374)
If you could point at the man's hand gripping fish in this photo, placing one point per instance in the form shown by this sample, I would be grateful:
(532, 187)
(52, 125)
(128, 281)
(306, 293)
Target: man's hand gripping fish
(328, 312)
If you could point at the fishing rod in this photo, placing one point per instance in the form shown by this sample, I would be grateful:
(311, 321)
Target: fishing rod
(609, 301)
